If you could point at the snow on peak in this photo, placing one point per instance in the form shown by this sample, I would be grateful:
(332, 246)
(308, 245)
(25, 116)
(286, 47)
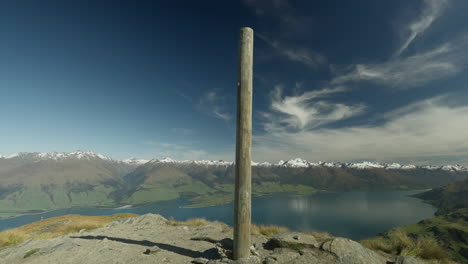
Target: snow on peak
(37, 156)
(196, 162)
(393, 166)
(330, 164)
(212, 162)
(296, 163)
(453, 168)
(430, 167)
(292, 163)
(365, 165)
(261, 164)
(134, 161)
(164, 160)
(408, 167)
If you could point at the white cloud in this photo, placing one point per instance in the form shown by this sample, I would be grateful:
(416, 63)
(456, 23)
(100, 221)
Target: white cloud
(403, 71)
(412, 71)
(307, 110)
(423, 129)
(432, 10)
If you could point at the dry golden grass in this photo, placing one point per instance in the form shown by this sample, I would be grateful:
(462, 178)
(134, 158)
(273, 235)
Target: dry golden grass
(56, 226)
(399, 243)
(267, 230)
(11, 237)
(189, 222)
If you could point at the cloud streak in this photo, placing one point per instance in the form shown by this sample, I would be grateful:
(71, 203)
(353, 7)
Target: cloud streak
(413, 71)
(409, 71)
(307, 110)
(432, 10)
(424, 128)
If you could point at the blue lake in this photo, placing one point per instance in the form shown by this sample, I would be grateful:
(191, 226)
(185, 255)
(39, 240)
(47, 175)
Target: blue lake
(356, 215)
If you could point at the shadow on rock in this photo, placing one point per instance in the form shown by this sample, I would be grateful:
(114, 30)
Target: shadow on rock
(208, 254)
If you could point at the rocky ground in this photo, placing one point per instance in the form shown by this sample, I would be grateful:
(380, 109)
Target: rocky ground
(149, 239)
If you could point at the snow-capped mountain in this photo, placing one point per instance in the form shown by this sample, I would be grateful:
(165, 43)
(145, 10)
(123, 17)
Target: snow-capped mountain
(194, 162)
(81, 155)
(135, 161)
(292, 163)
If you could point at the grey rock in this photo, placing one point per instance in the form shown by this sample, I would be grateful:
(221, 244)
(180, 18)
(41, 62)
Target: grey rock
(152, 250)
(351, 252)
(249, 260)
(282, 255)
(292, 240)
(200, 261)
(408, 260)
(253, 251)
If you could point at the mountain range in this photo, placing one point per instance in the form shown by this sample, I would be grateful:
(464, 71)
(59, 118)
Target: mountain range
(44, 181)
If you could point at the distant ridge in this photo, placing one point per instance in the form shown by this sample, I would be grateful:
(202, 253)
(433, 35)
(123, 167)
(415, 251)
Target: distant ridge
(292, 163)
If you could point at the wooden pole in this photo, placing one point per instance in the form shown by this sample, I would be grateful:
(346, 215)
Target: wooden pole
(242, 206)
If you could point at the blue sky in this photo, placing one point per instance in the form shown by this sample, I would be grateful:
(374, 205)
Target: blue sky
(333, 80)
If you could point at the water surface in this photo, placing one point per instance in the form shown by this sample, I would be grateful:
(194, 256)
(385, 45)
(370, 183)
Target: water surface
(355, 215)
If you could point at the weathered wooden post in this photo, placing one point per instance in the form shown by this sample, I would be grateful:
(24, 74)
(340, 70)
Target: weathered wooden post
(242, 209)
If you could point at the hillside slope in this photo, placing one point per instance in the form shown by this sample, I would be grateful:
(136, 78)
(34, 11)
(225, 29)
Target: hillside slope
(31, 182)
(448, 198)
(449, 228)
(152, 239)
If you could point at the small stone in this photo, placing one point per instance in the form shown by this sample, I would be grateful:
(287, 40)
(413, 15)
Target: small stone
(296, 237)
(253, 251)
(200, 261)
(301, 252)
(152, 250)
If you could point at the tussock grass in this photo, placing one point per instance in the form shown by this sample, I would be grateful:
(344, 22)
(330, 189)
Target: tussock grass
(267, 230)
(11, 237)
(399, 243)
(56, 226)
(189, 222)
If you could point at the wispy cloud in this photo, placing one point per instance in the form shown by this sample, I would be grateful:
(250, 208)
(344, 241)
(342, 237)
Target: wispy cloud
(432, 10)
(412, 71)
(402, 71)
(211, 103)
(286, 26)
(303, 55)
(424, 128)
(307, 110)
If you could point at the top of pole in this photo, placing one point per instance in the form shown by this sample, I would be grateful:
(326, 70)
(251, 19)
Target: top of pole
(246, 29)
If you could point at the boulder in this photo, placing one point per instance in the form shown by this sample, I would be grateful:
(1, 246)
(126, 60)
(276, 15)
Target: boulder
(292, 240)
(351, 252)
